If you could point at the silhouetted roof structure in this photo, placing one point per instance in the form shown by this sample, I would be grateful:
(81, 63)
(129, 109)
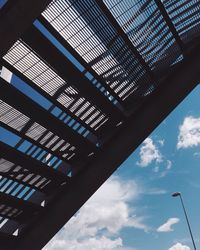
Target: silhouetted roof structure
(83, 83)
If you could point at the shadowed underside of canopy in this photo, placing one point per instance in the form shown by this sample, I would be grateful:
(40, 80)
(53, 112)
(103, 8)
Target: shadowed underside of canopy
(82, 84)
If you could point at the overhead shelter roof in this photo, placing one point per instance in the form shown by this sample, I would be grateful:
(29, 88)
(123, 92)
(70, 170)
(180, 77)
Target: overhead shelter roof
(82, 85)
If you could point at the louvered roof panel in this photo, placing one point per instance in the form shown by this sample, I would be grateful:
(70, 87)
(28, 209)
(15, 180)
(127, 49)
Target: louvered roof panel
(91, 34)
(72, 76)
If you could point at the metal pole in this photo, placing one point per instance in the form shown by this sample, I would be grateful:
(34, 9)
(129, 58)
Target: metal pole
(187, 221)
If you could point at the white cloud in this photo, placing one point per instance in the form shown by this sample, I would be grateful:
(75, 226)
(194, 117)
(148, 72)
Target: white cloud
(196, 154)
(189, 133)
(156, 191)
(97, 224)
(167, 226)
(161, 142)
(169, 165)
(167, 169)
(179, 246)
(149, 153)
(92, 243)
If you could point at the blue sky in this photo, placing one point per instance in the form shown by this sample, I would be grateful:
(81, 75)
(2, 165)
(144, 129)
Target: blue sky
(134, 208)
(183, 176)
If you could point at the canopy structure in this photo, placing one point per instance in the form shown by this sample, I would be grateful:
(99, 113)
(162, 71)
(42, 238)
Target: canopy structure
(83, 83)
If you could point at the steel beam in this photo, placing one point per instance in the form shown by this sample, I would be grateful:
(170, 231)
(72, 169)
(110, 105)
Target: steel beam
(29, 209)
(120, 31)
(28, 107)
(15, 156)
(99, 78)
(26, 184)
(15, 18)
(170, 25)
(52, 99)
(128, 137)
(23, 136)
(6, 239)
(72, 75)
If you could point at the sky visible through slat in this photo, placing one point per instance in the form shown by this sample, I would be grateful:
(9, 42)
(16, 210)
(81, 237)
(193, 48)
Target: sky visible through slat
(133, 209)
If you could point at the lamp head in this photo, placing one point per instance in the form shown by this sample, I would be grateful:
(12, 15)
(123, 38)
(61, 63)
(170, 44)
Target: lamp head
(176, 194)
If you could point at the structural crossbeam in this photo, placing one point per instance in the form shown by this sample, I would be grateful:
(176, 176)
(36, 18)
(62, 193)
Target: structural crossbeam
(128, 137)
(28, 209)
(43, 47)
(36, 143)
(28, 107)
(170, 25)
(16, 18)
(17, 157)
(120, 31)
(80, 59)
(6, 239)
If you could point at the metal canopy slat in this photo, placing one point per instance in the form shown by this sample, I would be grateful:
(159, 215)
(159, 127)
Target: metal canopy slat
(80, 59)
(52, 99)
(27, 207)
(126, 39)
(25, 105)
(147, 29)
(170, 25)
(99, 41)
(125, 141)
(5, 175)
(125, 70)
(57, 60)
(15, 156)
(24, 137)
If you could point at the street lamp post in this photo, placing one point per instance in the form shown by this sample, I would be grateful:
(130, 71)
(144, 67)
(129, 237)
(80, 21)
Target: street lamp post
(178, 194)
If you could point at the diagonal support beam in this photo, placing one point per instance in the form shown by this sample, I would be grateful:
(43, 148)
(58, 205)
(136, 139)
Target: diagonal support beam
(28, 209)
(15, 18)
(15, 156)
(6, 239)
(170, 25)
(28, 107)
(53, 100)
(43, 47)
(24, 137)
(120, 31)
(128, 137)
(100, 79)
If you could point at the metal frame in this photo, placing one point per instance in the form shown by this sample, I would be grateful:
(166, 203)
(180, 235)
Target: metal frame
(157, 106)
(126, 39)
(170, 25)
(16, 18)
(22, 103)
(49, 52)
(128, 124)
(80, 59)
(34, 166)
